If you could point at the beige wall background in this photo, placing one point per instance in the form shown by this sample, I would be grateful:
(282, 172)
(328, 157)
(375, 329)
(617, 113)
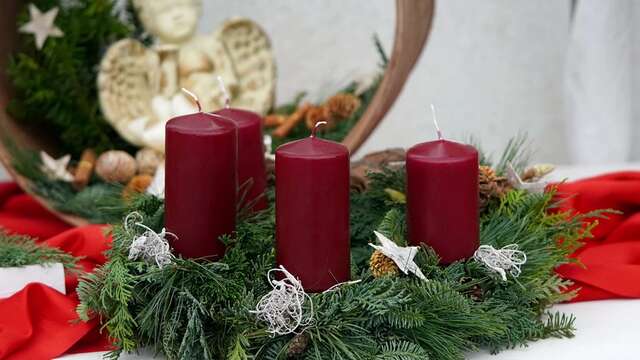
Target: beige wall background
(491, 67)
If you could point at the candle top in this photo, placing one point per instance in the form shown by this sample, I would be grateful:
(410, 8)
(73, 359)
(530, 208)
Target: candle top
(442, 150)
(240, 117)
(200, 124)
(312, 147)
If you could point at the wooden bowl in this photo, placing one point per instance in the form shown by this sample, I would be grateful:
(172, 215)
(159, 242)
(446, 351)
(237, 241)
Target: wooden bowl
(413, 24)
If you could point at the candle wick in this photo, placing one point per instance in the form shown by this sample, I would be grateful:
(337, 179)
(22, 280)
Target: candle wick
(435, 122)
(315, 128)
(194, 98)
(227, 98)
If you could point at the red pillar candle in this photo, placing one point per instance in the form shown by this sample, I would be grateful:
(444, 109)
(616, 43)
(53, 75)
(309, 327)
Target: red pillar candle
(312, 212)
(442, 198)
(200, 183)
(251, 164)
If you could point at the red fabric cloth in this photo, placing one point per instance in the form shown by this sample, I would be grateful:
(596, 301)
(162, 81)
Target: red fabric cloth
(611, 258)
(38, 322)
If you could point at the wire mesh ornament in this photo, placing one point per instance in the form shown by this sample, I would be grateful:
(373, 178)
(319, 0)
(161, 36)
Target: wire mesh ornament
(283, 307)
(150, 245)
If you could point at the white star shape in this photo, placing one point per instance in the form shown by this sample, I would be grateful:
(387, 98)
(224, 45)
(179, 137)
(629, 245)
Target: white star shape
(536, 187)
(56, 169)
(402, 256)
(41, 25)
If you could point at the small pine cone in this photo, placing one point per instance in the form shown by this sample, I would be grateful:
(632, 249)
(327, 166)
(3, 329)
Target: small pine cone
(319, 113)
(491, 186)
(475, 292)
(298, 345)
(381, 265)
(342, 106)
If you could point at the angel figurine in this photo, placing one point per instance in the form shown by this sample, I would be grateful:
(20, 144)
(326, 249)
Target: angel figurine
(139, 87)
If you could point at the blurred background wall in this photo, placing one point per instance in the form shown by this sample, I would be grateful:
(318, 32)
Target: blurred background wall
(492, 68)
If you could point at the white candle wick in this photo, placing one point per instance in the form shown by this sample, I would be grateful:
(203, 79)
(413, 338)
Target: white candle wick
(227, 98)
(315, 128)
(193, 97)
(435, 122)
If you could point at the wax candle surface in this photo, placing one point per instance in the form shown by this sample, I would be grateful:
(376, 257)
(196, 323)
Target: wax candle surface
(250, 156)
(442, 198)
(200, 183)
(312, 212)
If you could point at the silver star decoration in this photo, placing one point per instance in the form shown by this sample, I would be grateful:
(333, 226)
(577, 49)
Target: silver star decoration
(56, 169)
(402, 256)
(536, 187)
(41, 25)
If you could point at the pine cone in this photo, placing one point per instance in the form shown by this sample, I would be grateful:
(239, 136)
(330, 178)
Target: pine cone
(381, 265)
(319, 113)
(342, 106)
(491, 186)
(475, 292)
(298, 345)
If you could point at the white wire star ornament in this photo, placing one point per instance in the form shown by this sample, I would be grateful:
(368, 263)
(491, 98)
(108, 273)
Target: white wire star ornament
(41, 25)
(55, 169)
(401, 255)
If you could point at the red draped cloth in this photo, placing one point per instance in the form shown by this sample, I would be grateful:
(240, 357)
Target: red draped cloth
(40, 323)
(611, 258)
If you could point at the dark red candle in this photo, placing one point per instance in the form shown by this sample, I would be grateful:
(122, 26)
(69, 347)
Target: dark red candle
(442, 198)
(252, 178)
(200, 183)
(312, 212)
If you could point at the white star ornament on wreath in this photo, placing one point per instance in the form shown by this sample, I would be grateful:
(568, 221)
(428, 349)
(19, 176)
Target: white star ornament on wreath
(41, 25)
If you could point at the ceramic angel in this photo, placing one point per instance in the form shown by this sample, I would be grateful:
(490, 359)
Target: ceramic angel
(139, 87)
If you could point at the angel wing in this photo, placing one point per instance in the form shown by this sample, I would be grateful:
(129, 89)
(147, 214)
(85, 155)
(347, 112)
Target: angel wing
(127, 81)
(250, 51)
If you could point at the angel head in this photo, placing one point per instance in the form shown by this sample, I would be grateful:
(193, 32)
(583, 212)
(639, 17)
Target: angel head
(171, 21)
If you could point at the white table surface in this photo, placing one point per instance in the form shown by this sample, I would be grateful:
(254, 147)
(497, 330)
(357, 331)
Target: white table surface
(606, 329)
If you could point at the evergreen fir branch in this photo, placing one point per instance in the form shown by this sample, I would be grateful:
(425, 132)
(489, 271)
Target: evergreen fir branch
(67, 65)
(394, 227)
(382, 54)
(19, 251)
(559, 325)
(516, 153)
(401, 350)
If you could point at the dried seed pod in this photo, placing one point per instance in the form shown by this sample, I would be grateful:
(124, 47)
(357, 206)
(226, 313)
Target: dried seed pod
(137, 185)
(116, 166)
(84, 169)
(148, 161)
(342, 106)
(319, 113)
